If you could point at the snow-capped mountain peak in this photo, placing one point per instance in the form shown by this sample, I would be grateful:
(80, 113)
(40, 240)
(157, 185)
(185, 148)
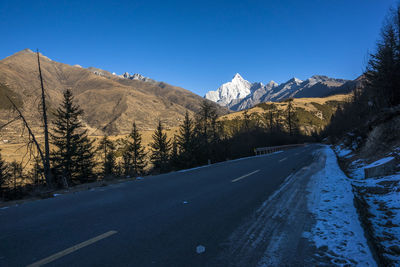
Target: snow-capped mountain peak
(136, 76)
(237, 78)
(271, 84)
(235, 89)
(240, 94)
(294, 80)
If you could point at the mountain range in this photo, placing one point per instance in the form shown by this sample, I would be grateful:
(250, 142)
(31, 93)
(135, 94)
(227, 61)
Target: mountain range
(110, 102)
(240, 94)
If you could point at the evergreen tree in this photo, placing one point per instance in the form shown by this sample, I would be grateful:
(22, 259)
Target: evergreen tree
(4, 173)
(185, 142)
(383, 71)
(160, 148)
(206, 132)
(246, 121)
(73, 159)
(109, 164)
(85, 159)
(37, 172)
(16, 173)
(175, 162)
(126, 161)
(137, 151)
(271, 119)
(123, 146)
(107, 149)
(291, 118)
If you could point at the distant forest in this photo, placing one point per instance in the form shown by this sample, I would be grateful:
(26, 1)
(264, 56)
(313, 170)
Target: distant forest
(380, 93)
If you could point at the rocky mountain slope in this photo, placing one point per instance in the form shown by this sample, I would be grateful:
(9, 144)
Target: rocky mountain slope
(240, 94)
(111, 102)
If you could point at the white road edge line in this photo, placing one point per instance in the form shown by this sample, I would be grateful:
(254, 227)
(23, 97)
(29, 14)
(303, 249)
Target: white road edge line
(72, 249)
(244, 176)
(283, 159)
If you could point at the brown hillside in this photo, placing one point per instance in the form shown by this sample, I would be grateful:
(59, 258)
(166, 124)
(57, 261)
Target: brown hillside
(110, 103)
(313, 114)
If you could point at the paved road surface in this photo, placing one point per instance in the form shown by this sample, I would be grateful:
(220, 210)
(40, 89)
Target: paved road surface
(157, 221)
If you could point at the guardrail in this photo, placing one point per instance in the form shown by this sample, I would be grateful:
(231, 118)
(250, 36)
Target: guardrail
(271, 149)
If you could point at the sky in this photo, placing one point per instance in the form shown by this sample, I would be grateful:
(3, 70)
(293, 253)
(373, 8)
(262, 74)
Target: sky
(199, 45)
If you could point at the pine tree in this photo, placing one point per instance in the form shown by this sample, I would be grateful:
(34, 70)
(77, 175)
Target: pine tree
(270, 117)
(160, 148)
(37, 172)
(206, 131)
(16, 173)
(137, 151)
(85, 159)
(4, 173)
(109, 164)
(291, 119)
(383, 71)
(246, 121)
(73, 159)
(107, 149)
(126, 161)
(185, 142)
(174, 159)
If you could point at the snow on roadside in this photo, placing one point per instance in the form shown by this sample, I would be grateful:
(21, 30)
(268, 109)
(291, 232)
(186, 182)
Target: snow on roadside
(379, 162)
(338, 233)
(382, 196)
(386, 217)
(343, 152)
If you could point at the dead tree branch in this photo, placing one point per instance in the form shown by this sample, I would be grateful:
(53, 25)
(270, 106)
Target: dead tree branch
(46, 163)
(31, 134)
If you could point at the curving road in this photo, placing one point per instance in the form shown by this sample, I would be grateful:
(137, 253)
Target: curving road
(177, 219)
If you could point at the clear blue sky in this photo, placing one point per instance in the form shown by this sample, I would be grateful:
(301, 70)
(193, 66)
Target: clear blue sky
(199, 45)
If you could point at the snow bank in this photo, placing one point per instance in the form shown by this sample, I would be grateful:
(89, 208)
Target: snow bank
(382, 195)
(383, 198)
(337, 232)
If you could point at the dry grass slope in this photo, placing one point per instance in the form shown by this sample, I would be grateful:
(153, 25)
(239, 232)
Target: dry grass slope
(313, 113)
(110, 103)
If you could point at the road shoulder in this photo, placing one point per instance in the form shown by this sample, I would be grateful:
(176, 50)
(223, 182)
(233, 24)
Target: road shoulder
(310, 220)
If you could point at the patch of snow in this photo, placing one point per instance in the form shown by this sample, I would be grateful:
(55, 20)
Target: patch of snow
(338, 228)
(342, 151)
(357, 169)
(285, 184)
(200, 249)
(379, 162)
(382, 195)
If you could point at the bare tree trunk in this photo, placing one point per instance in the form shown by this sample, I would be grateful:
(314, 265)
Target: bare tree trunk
(46, 163)
(29, 131)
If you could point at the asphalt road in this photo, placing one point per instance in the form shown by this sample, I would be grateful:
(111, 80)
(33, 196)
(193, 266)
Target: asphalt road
(158, 221)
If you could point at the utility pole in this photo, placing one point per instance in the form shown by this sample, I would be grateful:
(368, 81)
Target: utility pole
(46, 163)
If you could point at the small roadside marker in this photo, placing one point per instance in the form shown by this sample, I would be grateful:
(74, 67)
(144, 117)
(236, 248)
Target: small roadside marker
(200, 249)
